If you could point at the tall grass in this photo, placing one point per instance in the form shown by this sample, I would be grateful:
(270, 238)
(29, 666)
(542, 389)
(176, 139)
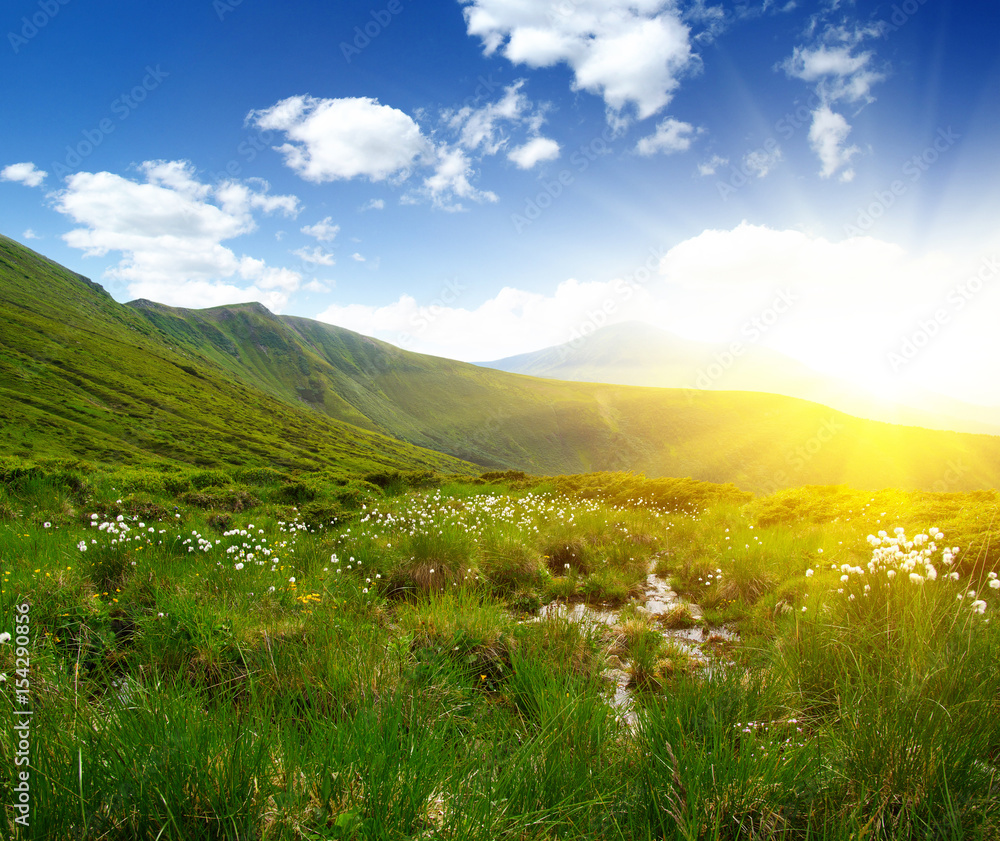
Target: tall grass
(268, 677)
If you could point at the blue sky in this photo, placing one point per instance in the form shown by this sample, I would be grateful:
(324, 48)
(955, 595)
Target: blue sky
(482, 178)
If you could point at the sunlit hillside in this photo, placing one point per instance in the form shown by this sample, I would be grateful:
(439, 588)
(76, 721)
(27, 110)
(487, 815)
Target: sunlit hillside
(87, 378)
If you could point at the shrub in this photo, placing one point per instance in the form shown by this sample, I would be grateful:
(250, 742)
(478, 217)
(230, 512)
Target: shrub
(297, 492)
(321, 513)
(202, 479)
(231, 499)
(258, 476)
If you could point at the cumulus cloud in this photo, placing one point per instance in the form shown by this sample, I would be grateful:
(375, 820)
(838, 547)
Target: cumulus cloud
(324, 231)
(633, 54)
(761, 161)
(315, 256)
(533, 152)
(841, 72)
(340, 139)
(486, 127)
(719, 286)
(671, 136)
(715, 284)
(828, 137)
(512, 321)
(30, 234)
(710, 166)
(451, 180)
(169, 228)
(24, 173)
(334, 139)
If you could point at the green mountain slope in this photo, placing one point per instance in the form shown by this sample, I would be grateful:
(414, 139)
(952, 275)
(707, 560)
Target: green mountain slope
(82, 374)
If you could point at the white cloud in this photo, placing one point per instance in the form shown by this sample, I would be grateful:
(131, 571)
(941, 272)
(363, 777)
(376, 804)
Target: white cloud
(794, 292)
(485, 128)
(827, 137)
(357, 257)
(511, 322)
(240, 198)
(24, 173)
(324, 231)
(373, 204)
(716, 284)
(761, 161)
(450, 180)
(710, 166)
(316, 257)
(333, 139)
(30, 234)
(169, 228)
(671, 136)
(316, 286)
(533, 152)
(839, 73)
(630, 52)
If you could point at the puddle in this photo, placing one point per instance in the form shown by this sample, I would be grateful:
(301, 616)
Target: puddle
(578, 612)
(705, 645)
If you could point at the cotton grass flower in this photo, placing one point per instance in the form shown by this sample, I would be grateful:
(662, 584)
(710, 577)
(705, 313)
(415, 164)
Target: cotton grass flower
(4, 637)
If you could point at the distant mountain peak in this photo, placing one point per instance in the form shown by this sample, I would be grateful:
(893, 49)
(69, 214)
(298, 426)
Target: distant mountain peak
(638, 353)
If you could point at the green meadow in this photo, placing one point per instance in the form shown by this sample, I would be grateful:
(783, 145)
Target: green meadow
(255, 584)
(234, 653)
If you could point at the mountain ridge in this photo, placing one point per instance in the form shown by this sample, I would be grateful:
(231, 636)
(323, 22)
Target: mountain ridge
(612, 354)
(239, 384)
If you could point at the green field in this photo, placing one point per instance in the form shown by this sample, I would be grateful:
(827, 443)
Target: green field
(246, 654)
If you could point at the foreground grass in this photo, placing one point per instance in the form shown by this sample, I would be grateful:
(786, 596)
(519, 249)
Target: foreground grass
(220, 656)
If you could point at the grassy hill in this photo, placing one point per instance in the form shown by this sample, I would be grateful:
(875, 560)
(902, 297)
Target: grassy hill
(84, 376)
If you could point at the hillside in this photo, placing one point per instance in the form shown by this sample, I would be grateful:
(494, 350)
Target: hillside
(634, 353)
(84, 376)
